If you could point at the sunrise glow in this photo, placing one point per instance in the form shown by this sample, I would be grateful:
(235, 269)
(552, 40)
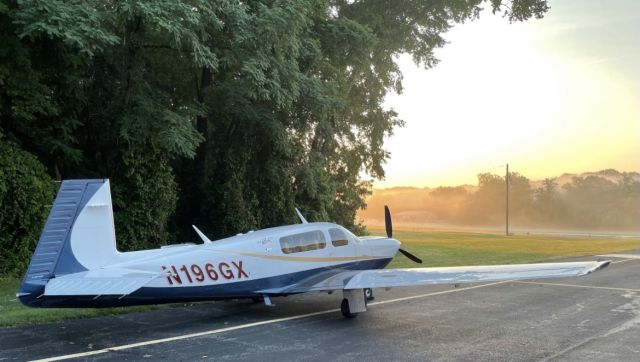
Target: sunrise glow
(547, 96)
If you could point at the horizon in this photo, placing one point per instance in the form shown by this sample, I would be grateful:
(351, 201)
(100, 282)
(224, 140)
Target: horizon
(474, 183)
(547, 96)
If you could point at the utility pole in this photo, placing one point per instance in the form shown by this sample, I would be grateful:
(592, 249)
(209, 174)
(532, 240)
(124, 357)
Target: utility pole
(506, 182)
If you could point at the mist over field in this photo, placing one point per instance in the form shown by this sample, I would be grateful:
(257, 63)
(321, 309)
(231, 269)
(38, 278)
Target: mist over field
(607, 200)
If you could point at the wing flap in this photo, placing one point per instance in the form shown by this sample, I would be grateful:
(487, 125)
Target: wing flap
(101, 282)
(386, 278)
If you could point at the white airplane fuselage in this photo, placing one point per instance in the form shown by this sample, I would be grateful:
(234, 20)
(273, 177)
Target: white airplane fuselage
(234, 267)
(76, 262)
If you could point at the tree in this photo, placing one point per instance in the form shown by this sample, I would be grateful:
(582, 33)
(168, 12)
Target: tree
(226, 114)
(487, 205)
(547, 204)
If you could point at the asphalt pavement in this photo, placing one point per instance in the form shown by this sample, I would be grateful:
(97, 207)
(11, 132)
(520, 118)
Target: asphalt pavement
(595, 317)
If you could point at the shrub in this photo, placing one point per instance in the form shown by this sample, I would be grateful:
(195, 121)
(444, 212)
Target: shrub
(26, 193)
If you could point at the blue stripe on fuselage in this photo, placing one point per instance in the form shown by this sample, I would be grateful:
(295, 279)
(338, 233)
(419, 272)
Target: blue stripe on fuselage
(240, 289)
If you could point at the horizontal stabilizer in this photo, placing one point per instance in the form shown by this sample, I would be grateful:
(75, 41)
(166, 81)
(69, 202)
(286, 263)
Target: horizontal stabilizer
(97, 282)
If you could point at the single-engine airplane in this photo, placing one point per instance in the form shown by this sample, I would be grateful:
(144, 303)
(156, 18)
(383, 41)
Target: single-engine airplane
(76, 263)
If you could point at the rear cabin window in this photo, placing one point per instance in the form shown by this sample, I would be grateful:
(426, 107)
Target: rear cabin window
(297, 243)
(338, 237)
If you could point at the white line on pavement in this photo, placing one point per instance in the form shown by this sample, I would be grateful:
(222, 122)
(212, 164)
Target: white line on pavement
(625, 256)
(578, 286)
(244, 326)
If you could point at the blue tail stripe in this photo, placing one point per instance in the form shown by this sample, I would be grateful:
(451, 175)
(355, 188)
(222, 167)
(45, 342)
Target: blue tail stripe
(54, 240)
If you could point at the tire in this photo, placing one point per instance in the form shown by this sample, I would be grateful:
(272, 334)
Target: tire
(368, 294)
(344, 308)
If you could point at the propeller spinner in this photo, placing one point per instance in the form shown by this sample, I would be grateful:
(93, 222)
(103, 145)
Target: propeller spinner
(389, 228)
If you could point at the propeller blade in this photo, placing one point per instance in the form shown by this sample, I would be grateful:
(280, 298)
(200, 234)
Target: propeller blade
(410, 256)
(387, 222)
(389, 228)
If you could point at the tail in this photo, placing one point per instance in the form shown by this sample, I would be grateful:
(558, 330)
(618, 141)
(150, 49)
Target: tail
(79, 235)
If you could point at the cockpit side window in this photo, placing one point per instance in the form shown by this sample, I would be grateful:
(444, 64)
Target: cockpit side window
(338, 237)
(353, 237)
(296, 243)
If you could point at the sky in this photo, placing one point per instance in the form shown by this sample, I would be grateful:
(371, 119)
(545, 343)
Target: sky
(548, 96)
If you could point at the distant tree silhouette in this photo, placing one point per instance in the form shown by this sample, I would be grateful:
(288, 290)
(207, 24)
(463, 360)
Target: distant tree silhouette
(605, 200)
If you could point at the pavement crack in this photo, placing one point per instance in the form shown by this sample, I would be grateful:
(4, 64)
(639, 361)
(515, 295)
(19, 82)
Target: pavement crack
(632, 307)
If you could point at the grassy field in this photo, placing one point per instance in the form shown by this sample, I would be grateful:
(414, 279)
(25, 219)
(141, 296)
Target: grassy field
(436, 248)
(459, 248)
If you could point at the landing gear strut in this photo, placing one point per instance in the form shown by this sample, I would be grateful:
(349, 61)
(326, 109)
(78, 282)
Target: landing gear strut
(354, 302)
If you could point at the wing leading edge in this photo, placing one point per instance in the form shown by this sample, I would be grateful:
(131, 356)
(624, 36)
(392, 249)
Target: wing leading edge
(388, 278)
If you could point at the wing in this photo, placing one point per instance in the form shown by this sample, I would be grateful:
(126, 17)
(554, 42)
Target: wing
(469, 274)
(100, 282)
(387, 278)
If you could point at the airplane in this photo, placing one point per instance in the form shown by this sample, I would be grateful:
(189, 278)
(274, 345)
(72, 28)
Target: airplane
(76, 262)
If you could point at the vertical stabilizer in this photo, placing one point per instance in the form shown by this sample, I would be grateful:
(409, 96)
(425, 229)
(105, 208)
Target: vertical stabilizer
(79, 235)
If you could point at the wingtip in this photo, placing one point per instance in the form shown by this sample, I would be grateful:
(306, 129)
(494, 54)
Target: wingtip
(603, 265)
(600, 265)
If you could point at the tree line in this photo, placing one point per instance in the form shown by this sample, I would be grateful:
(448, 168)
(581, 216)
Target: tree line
(604, 200)
(225, 114)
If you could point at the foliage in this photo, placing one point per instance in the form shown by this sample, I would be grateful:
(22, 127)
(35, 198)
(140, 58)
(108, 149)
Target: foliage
(145, 195)
(26, 191)
(223, 114)
(603, 203)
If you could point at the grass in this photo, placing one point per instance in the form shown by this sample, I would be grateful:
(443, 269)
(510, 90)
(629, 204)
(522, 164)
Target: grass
(435, 248)
(459, 248)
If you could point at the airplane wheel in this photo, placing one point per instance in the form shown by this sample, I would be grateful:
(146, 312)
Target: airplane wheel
(368, 294)
(344, 308)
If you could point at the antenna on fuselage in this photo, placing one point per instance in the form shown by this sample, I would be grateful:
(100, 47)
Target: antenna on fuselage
(302, 219)
(202, 235)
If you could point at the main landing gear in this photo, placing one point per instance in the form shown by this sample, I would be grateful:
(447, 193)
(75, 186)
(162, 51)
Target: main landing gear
(355, 301)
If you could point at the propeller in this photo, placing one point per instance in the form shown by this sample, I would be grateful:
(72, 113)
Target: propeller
(387, 222)
(410, 256)
(389, 228)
